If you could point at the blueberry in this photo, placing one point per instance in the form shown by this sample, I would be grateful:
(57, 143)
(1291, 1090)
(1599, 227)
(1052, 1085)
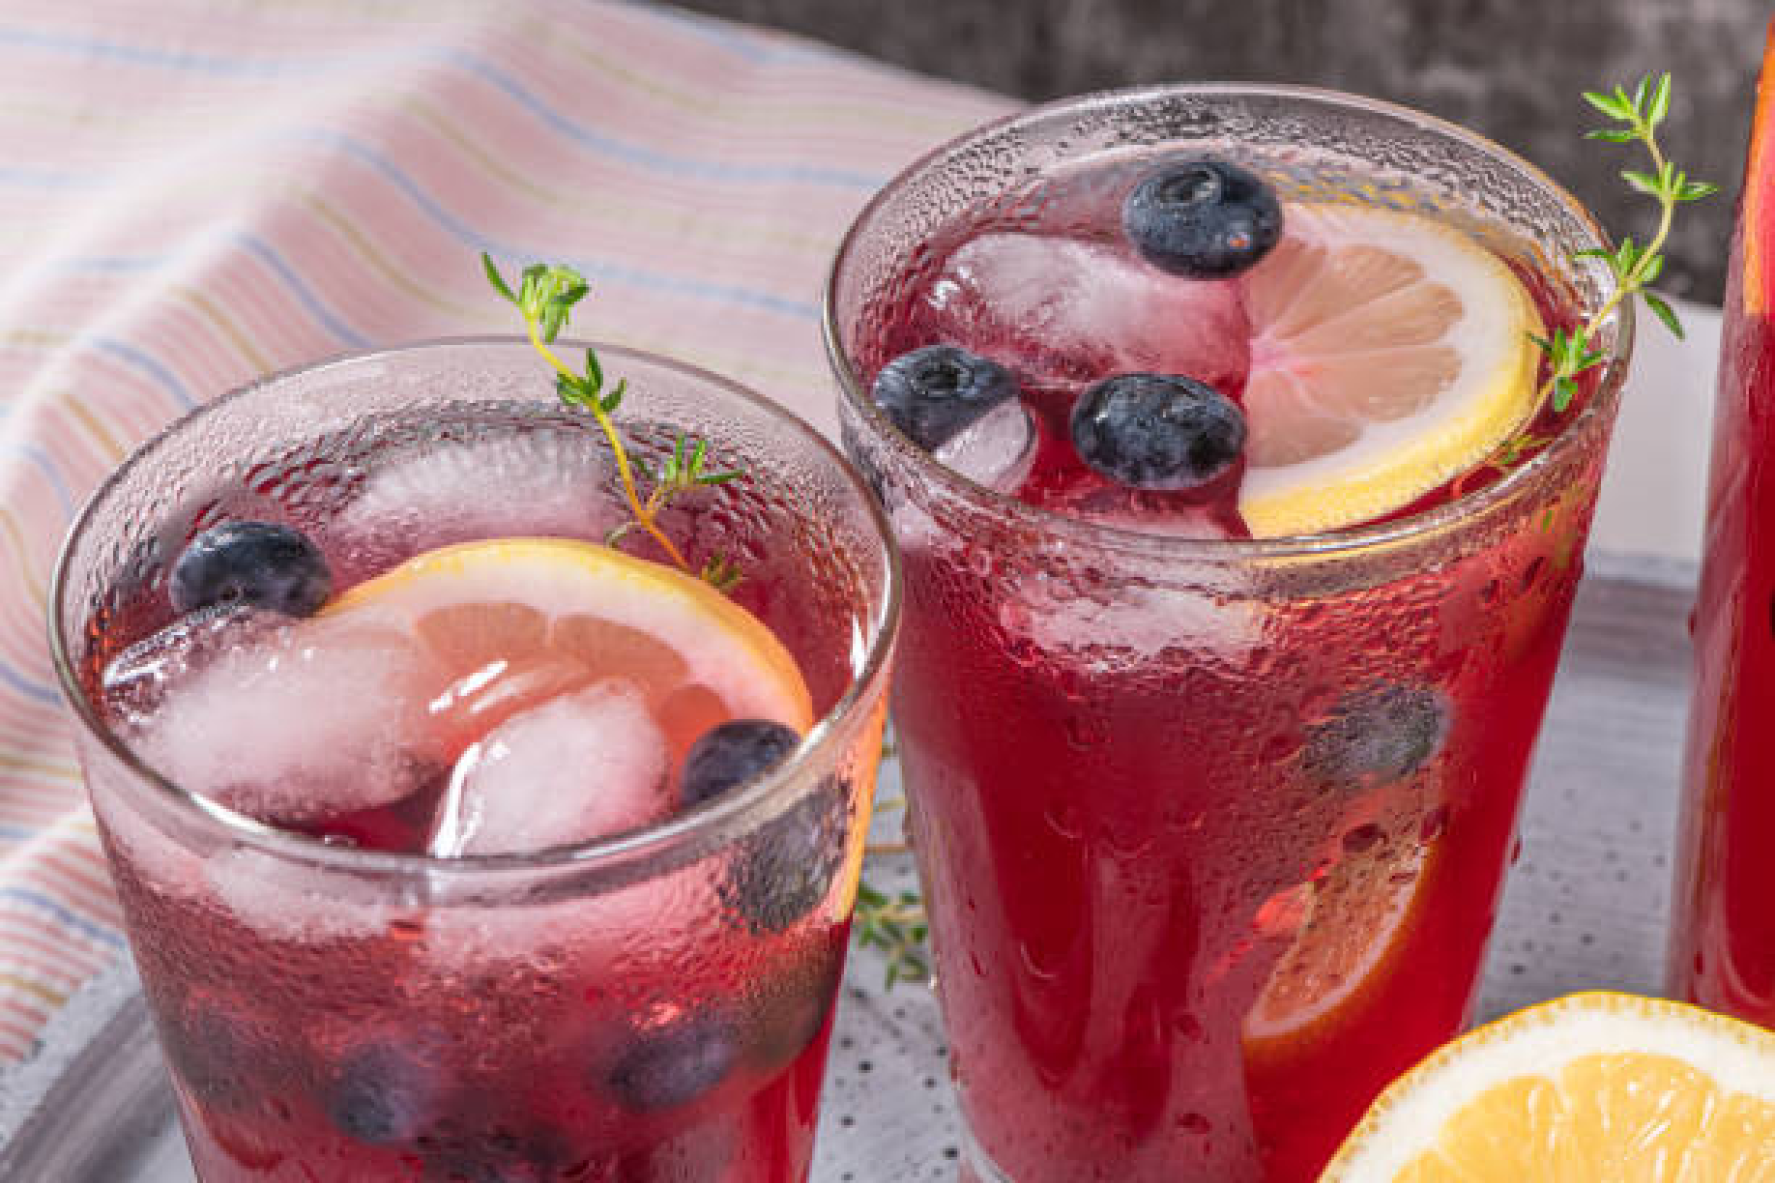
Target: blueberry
(383, 1095)
(933, 394)
(1380, 733)
(255, 563)
(1202, 219)
(781, 873)
(731, 754)
(492, 1155)
(1157, 431)
(788, 1007)
(212, 1055)
(675, 1064)
(777, 875)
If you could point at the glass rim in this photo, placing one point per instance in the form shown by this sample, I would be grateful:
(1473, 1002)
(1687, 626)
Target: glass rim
(1139, 544)
(714, 820)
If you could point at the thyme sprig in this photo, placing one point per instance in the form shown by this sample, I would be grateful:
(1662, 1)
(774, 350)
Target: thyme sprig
(894, 923)
(1572, 351)
(545, 296)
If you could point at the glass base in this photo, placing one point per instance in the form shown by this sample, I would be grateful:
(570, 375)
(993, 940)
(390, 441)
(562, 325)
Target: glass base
(976, 1167)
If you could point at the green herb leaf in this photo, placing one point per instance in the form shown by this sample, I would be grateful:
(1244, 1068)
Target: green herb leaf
(1660, 104)
(1663, 312)
(496, 279)
(1570, 352)
(1613, 105)
(545, 298)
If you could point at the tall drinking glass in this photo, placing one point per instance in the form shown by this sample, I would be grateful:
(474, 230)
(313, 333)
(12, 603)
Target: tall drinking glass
(1211, 831)
(1722, 935)
(651, 1005)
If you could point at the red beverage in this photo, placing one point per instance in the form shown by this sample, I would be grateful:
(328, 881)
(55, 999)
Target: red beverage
(1722, 950)
(1212, 828)
(435, 887)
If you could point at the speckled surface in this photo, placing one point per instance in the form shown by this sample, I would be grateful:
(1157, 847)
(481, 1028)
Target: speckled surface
(1512, 69)
(1585, 907)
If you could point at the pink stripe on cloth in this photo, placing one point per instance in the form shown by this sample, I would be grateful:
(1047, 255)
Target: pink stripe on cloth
(197, 192)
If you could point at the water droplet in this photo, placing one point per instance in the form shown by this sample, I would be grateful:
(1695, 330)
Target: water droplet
(1086, 731)
(1064, 820)
(1363, 838)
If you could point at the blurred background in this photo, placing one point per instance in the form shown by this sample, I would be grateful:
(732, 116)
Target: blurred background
(1512, 69)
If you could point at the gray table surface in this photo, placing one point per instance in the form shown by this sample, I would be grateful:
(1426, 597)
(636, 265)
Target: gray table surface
(1586, 906)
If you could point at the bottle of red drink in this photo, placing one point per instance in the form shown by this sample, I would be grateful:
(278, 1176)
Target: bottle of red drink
(1722, 948)
(463, 830)
(1240, 542)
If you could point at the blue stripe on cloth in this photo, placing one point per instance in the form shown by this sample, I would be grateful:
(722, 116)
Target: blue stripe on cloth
(123, 264)
(29, 687)
(265, 253)
(44, 178)
(643, 157)
(103, 934)
(594, 269)
(45, 464)
(474, 64)
(148, 365)
(253, 245)
(13, 36)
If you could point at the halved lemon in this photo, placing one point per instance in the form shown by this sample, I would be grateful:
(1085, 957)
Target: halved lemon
(1592, 1087)
(512, 622)
(1351, 922)
(1390, 354)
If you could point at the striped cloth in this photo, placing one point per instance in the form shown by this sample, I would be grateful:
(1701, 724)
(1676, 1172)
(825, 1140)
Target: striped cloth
(195, 192)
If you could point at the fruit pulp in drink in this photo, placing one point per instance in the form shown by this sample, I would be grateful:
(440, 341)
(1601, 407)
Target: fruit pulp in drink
(1203, 874)
(670, 1029)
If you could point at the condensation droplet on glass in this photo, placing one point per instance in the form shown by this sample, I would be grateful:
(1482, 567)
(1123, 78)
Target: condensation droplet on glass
(1363, 838)
(1086, 731)
(1433, 825)
(1064, 820)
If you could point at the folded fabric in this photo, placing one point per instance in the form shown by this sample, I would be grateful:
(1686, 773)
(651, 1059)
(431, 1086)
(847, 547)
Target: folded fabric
(198, 192)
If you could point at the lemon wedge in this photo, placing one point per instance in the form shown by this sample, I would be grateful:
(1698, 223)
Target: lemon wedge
(544, 615)
(1592, 1087)
(1390, 354)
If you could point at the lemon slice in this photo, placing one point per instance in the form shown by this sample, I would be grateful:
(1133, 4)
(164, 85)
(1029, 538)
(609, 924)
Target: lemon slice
(1390, 353)
(1592, 1087)
(512, 622)
(1351, 921)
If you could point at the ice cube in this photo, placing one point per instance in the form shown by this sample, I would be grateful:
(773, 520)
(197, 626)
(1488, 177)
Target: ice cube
(1060, 309)
(576, 768)
(996, 450)
(534, 483)
(137, 681)
(286, 901)
(286, 723)
(1136, 624)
